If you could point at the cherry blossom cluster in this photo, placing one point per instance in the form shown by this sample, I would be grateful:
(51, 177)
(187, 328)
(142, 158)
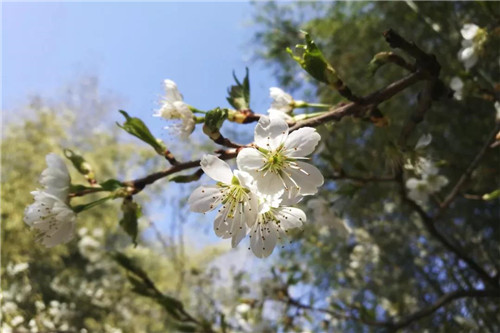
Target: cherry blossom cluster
(256, 200)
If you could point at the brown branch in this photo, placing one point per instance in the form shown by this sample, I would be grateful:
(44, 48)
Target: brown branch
(354, 109)
(442, 301)
(170, 157)
(424, 60)
(296, 303)
(468, 172)
(138, 185)
(406, 320)
(341, 175)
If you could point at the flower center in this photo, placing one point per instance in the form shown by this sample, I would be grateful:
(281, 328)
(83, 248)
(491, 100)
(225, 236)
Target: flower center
(233, 199)
(276, 161)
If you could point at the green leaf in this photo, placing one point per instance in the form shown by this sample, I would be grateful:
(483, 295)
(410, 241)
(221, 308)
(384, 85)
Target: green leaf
(239, 94)
(137, 128)
(314, 62)
(131, 213)
(493, 195)
(111, 185)
(213, 122)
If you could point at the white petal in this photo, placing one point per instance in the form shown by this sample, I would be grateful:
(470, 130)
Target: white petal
(205, 198)
(302, 142)
(280, 113)
(251, 209)
(423, 141)
(290, 217)
(280, 97)
(412, 183)
(221, 227)
(309, 181)
(56, 177)
(238, 229)
(250, 159)
(216, 169)
(282, 101)
(456, 84)
(171, 91)
(263, 240)
(270, 132)
(469, 31)
(268, 183)
(245, 179)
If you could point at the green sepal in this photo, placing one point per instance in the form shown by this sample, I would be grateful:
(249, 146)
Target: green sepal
(137, 128)
(129, 222)
(493, 195)
(80, 164)
(314, 62)
(111, 185)
(213, 122)
(239, 94)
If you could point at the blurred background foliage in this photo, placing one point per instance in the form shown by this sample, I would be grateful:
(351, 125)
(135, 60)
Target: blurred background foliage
(363, 254)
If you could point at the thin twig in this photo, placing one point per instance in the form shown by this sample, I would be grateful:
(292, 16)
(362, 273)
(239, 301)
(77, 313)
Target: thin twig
(468, 172)
(429, 224)
(442, 301)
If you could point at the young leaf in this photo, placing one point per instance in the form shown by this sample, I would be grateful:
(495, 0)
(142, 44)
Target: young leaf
(81, 165)
(239, 94)
(213, 122)
(137, 128)
(315, 63)
(131, 213)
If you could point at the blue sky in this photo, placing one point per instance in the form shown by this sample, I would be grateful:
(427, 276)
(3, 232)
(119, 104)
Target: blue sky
(132, 48)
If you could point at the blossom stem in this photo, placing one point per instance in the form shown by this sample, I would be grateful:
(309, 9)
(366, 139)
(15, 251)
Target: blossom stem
(301, 104)
(195, 110)
(199, 120)
(81, 208)
(307, 115)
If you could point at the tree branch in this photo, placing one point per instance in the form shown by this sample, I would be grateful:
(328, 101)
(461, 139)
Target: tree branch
(442, 301)
(429, 224)
(468, 172)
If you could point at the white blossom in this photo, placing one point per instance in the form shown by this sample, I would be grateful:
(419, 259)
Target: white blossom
(273, 222)
(420, 189)
(242, 308)
(17, 320)
(232, 191)
(174, 108)
(469, 31)
(457, 85)
(56, 177)
(423, 141)
(13, 269)
(282, 104)
(51, 214)
(276, 161)
(468, 54)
